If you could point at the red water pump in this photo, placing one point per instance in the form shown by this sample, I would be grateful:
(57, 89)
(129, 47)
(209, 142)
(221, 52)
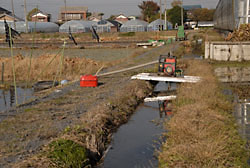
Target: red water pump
(167, 65)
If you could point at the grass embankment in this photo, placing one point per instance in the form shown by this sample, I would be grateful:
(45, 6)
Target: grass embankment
(84, 144)
(202, 132)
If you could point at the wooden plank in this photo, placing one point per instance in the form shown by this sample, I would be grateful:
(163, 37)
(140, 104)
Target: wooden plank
(159, 98)
(148, 76)
(144, 44)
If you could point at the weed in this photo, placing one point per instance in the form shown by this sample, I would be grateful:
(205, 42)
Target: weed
(129, 34)
(67, 153)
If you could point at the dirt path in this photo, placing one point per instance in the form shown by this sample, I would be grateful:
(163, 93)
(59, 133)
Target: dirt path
(34, 125)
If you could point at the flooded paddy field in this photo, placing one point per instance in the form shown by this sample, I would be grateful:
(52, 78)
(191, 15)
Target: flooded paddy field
(237, 80)
(8, 98)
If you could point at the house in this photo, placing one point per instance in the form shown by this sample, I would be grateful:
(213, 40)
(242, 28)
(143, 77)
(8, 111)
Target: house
(95, 17)
(2, 11)
(40, 16)
(132, 17)
(7, 15)
(117, 26)
(73, 13)
(121, 19)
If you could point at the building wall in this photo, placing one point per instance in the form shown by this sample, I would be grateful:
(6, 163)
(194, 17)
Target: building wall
(7, 18)
(227, 51)
(73, 15)
(39, 19)
(230, 14)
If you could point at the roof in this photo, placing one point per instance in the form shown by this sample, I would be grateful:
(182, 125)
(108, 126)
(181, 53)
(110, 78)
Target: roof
(135, 22)
(74, 8)
(191, 7)
(2, 10)
(39, 13)
(104, 23)
(121, 16)
(117, 24)
(159, 22)
(9, 15)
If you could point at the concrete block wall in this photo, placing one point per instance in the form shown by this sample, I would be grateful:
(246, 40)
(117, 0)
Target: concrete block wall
(227, 51)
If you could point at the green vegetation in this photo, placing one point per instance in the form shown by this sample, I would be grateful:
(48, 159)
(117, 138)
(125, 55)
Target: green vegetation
(129, 34)
(66, 153)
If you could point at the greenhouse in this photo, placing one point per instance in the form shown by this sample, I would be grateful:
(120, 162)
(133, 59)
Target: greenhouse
(134, 26)
(77, 26)
(105, 26)
(155, 25)
(45, 27)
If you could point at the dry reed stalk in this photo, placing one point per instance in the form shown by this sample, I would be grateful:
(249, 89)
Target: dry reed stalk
(45, 67)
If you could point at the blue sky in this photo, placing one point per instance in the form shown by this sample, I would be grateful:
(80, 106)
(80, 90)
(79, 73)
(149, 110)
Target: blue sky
(108, 7)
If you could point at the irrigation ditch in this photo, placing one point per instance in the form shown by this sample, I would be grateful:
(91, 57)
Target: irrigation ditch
(75, 118)
(74, 127)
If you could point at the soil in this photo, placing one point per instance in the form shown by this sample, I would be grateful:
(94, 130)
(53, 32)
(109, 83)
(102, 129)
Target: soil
(26, 130)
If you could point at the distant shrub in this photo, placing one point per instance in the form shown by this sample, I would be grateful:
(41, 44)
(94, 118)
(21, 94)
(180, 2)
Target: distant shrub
(128, 34)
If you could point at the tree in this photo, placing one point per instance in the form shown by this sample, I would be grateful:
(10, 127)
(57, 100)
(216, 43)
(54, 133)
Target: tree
(88, 14)
(112, 17)
(149, 10)
(101, 15)
(202, 14)
(32, 12)
(176, 3)
(174, 15)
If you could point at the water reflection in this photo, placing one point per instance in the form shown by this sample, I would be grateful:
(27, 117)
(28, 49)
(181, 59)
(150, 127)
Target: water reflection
(242, 114)
(165, 108)
(8, 99)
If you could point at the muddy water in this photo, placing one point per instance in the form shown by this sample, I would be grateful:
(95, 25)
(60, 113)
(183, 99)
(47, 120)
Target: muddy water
(8, 100)
(136, 143)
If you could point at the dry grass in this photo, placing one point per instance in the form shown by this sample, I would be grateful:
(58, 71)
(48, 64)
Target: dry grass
(42, 70)
(202, 132)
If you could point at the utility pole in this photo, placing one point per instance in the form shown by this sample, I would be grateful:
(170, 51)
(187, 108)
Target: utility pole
(65, 11)
(160, 9)
(13, 14)
(182, 12)
(25, 16)
(166, 26)
(247, 12)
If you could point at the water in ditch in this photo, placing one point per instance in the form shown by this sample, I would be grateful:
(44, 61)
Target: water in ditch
(136, 143)
(238, 78)
(8, 100)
